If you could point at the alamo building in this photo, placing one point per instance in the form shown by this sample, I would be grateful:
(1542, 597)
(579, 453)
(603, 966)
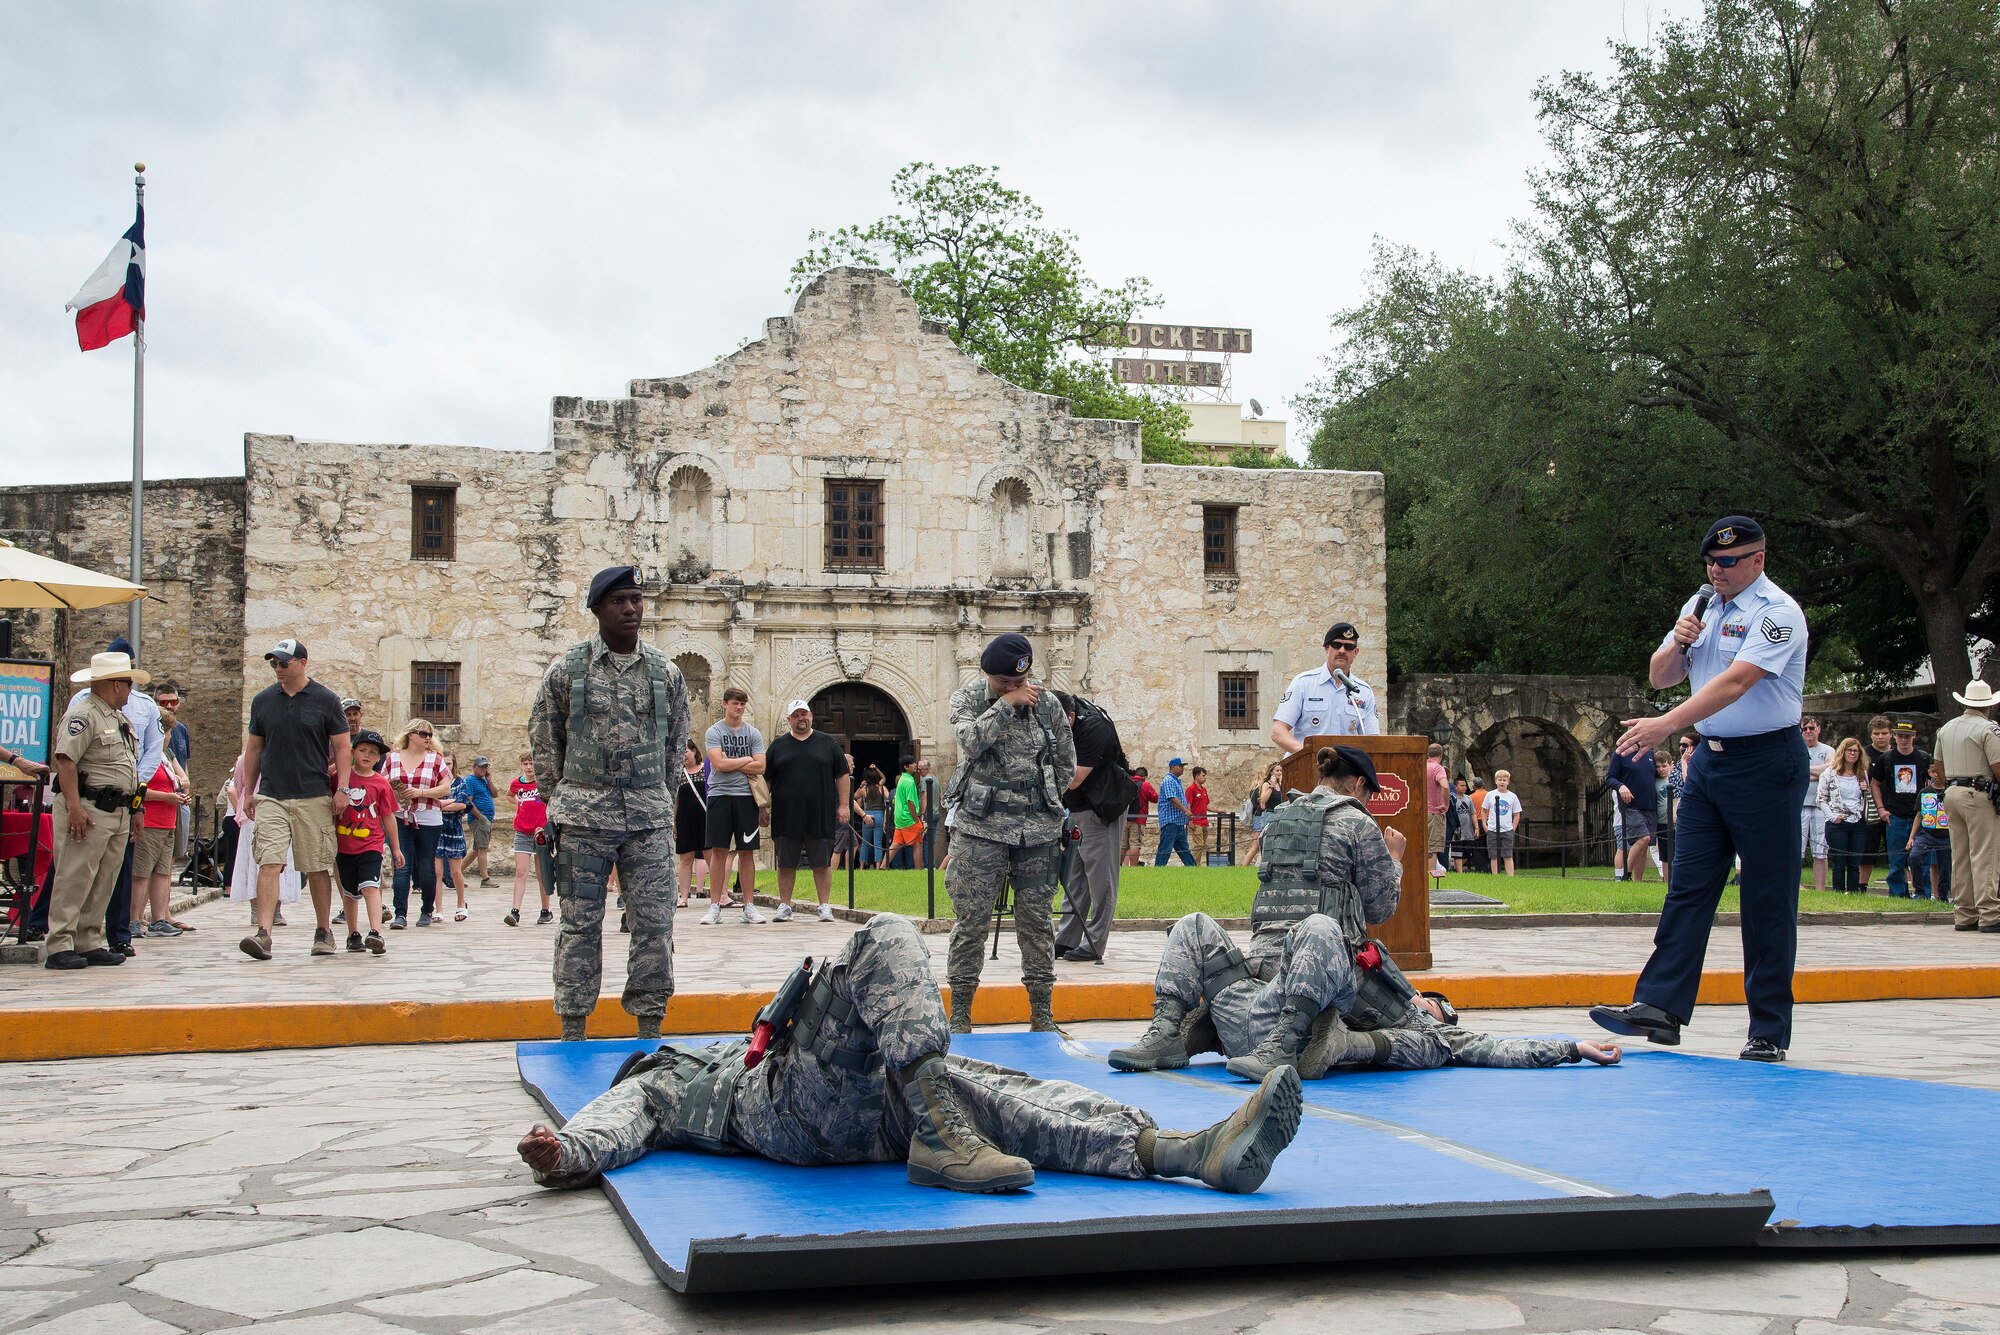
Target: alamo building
(845, 511)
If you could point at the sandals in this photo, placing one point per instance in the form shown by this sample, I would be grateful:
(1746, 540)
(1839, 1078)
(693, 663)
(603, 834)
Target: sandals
(462, 914)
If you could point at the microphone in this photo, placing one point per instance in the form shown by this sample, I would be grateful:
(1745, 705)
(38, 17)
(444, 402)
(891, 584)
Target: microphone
(1701, 601)
(1347, 683)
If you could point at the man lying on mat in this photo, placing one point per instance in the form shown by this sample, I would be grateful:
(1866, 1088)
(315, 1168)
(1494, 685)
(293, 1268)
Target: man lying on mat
(859, 1071)
(1314, 992)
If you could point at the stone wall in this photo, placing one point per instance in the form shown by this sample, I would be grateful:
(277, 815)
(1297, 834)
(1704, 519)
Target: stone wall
(192, 619)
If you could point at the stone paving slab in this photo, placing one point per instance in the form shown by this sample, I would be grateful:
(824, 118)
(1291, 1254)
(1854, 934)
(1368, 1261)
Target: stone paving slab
(482, 959)
(268, 1241)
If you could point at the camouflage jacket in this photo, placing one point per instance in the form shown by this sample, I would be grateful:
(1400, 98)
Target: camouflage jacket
(619, 707)
(1014, 766)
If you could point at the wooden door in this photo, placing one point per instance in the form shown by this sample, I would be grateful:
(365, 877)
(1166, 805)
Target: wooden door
(1399, 764)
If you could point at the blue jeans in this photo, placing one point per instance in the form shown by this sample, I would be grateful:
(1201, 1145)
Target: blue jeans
(420, 844)
(1844, 842)
(1174, 840)
(871, 842)
(1922, 859)
(1899, 857)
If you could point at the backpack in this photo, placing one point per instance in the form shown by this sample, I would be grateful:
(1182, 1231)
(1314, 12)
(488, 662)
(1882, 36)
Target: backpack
(1110, 791)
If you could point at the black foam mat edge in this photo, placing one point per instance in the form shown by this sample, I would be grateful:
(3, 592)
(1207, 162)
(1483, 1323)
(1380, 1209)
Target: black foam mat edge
(1876, 1235)
(1197, 1241)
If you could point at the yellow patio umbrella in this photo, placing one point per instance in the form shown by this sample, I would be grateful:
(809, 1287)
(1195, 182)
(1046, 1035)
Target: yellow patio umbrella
(28, 580)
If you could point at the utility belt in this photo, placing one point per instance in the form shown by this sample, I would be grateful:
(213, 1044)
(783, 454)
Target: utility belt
(1983, 785)
(1382, 994)
(109, 799)
(821, 1003)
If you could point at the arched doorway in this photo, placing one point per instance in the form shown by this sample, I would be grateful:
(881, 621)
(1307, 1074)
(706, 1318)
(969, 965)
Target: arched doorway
(1555, 780)
(867, 721)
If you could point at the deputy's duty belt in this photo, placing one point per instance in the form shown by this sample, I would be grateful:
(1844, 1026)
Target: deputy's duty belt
(1983, 785)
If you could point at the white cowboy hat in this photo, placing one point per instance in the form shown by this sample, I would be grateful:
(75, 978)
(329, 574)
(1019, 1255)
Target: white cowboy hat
(111, 667)
(1979, 695)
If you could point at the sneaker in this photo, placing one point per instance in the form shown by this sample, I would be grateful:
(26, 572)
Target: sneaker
(513, 918)
(1437, 870)
(713, 916)
(488, 883)
(544, 918)
(462, 914)
(750, 913)
(278, 919)
(162, 928)
(399, 924)
(375, 944)
(424, 920)
(784, 913)
(339, 917)
(354, 943)
(131, 952)
(257, 945)
(826, 913)
(322, 941)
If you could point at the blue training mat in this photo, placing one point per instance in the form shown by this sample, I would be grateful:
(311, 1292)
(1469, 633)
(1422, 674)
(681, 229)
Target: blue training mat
(1371, 1183)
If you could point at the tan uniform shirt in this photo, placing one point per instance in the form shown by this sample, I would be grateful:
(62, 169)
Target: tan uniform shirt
(99, 739)
(1969, 746)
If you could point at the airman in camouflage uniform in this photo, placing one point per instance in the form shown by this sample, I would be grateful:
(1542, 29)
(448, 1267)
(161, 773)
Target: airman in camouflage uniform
(1016, 756)
(869, 1081)
(607, 729)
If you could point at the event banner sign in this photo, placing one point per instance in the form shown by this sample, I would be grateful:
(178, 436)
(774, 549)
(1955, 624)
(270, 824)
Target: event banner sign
(27, 699)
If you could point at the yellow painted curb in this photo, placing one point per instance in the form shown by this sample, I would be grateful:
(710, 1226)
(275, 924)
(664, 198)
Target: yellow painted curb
(114, 1031)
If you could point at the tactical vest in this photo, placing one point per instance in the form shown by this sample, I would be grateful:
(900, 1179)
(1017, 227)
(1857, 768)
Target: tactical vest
(705, 1093)
(587, 762)
(1288, 881)
(1047, 796)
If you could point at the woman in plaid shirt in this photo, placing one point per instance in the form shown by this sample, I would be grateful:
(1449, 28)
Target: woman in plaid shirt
(421, 779)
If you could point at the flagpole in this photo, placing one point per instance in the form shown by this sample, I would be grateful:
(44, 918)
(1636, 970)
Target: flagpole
(138, 438)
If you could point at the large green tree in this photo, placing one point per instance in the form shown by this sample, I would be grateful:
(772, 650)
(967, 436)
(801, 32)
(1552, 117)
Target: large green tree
(1763, 273)
(1011, 291)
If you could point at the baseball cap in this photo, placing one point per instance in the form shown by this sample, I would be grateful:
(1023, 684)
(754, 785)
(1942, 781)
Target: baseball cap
(480, 762)
(346, 703)
(371, 738)
(284, 651)
(795, 706)
(1903, 725)
(1175, 761)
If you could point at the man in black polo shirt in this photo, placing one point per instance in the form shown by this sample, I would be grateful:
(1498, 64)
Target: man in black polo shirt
(297, 729)
(1896, 776)
(1097, 800)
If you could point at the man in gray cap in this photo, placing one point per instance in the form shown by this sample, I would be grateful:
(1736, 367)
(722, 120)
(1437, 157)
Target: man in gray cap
(607, 728)
(1016, 756)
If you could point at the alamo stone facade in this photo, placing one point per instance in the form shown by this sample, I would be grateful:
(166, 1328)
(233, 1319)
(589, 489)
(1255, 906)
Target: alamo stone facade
(844, 511)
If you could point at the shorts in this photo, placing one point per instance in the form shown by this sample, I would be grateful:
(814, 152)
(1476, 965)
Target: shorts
(690, 825)
(1812, 831)
(479, 831)
(732, 823)
(793, 850)
(1499, 844)
(1637, 825)
(525, 843)
(302, 824)
(1434, 828)
(358, 872)
(154, 853)
(845, 840)
(1134, 837)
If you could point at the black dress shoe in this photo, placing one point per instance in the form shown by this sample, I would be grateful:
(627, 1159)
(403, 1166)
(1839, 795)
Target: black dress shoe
(1965, 927)
(1761, 1050)
(1639, 1020)
(1078, 956)
(65, 959)
(1989, 926)
(101, 955)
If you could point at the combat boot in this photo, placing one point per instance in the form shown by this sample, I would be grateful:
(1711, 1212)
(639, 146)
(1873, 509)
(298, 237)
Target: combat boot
(1281, 1046)
(573, 1028)
(961, 1007)
(1041, 1011)
(1330, 1044)
(1162, 1047)
(946, 1149)
(1236, 1153)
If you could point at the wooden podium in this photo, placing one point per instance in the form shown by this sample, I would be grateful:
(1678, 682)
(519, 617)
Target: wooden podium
(1399, 764)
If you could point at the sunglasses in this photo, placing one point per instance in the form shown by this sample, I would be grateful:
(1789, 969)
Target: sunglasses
(422, 734)
(1349, 645)
(1729, 562)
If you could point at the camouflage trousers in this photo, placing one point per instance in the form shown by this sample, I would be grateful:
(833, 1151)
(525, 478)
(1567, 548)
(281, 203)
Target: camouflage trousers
(1418, 1042)
(797, 1109)
(979, 868)
(645, 863)
(1309, 960)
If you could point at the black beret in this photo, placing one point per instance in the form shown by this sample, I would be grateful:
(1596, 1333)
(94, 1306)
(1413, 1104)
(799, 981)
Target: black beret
(1359, 761)
(1008, 655)
(609, 581)
(1731, 531)
(1341, 630)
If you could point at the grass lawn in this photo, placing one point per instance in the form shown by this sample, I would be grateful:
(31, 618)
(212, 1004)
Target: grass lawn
(1225, 892)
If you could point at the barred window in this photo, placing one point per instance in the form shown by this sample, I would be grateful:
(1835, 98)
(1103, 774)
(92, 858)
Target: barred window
(434, 691)
(433, 523)
(853, 524)
(1236, 700)
(1218, 540)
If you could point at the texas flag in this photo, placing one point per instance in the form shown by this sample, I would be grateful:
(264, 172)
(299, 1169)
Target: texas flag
(114, 297)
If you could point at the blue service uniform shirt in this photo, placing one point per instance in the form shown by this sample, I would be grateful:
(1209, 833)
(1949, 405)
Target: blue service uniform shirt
(1761, 625)
(1315, 703)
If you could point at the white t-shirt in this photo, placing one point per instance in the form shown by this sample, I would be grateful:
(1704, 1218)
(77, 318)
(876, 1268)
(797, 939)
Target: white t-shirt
(1818, 756)
(1503, 811)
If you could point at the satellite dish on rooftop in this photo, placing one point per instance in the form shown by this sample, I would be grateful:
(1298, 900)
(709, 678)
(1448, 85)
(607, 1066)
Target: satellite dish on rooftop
(1256, 408)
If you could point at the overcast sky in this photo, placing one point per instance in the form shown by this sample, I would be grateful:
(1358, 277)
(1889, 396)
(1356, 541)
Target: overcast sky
(420, 221)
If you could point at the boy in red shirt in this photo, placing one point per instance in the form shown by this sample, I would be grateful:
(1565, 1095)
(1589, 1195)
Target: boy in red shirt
(153, 857)
(531, 841)
(1197, 800)
(359, 836)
